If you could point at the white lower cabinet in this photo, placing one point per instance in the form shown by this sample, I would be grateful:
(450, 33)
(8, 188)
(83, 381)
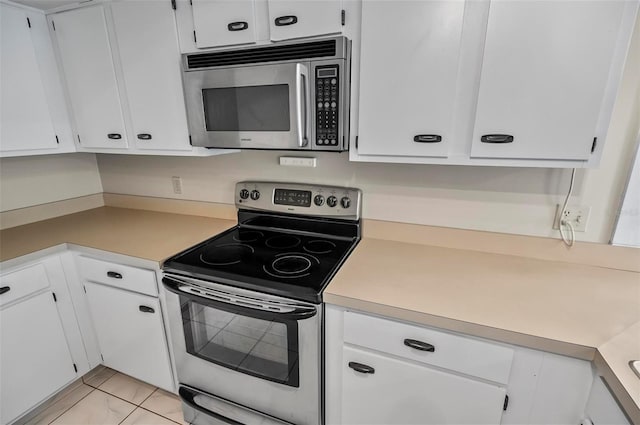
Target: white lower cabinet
(34, 357)
(380, 389)
(37, 342)
(384, 371)
(130, 333)
(602, 407)
(123, 307)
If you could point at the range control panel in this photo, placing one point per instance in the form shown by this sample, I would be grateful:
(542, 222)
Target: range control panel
(314, 200)
(327, 109)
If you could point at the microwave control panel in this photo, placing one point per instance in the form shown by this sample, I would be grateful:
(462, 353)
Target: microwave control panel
(327, 101)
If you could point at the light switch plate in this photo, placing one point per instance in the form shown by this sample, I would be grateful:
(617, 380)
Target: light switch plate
(298, 161)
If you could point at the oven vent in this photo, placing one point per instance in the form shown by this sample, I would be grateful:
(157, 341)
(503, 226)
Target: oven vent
(316, 49)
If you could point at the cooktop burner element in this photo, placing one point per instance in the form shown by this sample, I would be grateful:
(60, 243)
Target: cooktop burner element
(291, 265)
(283, 241)
(225, 254)
(281, 245)
(319, 247)
(248, 236)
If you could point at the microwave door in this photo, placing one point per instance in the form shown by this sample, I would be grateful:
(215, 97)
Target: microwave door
(253, 107)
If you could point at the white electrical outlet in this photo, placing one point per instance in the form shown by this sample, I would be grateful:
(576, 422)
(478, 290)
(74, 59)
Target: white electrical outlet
(177, 184)
(577, 215)
(298, 161)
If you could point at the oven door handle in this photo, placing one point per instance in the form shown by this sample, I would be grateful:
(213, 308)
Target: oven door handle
(188, 397)
(300, 313)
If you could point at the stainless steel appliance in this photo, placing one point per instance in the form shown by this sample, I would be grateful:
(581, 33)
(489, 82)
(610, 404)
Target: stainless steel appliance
(290, 96)
(245, 307)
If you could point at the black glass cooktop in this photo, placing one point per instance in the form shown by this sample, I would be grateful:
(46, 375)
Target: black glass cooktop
(291, 264)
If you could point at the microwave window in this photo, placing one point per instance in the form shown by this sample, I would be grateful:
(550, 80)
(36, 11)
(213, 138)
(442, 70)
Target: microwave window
(254, 108)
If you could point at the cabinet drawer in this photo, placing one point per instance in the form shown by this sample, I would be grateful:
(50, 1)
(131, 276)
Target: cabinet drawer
(125, 277)
(465, 355)
(22, 282)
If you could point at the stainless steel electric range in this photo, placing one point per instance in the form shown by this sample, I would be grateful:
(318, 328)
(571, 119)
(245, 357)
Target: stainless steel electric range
(245, 307)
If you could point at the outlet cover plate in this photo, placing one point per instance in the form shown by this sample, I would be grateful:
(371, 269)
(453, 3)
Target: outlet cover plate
(577, 215)
(176, 181)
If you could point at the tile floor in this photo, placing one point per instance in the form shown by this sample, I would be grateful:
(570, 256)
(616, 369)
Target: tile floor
(106, 397)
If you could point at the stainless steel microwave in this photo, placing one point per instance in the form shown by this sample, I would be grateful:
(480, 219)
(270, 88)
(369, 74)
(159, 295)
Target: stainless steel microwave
(288, 96)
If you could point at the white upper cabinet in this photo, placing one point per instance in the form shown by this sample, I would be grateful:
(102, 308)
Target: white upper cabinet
(223, 22)
(148, 46)
(304, 18)
(544, 74)
(408, 76)
(25, 120)
(85, 53)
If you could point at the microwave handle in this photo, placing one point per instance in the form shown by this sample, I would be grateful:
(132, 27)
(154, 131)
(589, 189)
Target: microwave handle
(302, 79)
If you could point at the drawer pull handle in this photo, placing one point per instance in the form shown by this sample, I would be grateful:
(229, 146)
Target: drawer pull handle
(427, 138)
(238, 26)
(362, 368)
(419, 345)
(114, 136)
(145, 309)
(282, 21)
(497, 138)
(114, 275)
(144, 136)
(4, 289)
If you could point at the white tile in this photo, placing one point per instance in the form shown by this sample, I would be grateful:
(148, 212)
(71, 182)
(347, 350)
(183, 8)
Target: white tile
(97, 376)
(97, 408)
(165, 404)
(127, 388)
(144, 417)
(60, 404)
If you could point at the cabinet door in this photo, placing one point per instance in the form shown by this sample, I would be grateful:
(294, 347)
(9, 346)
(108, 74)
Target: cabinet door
(25, 122)
(85, 52)
(399, 392)
(304, 18)
(130, 333)
(224, 22)
(148, 46)
(544, 72)
(35, 360)
(408, 76)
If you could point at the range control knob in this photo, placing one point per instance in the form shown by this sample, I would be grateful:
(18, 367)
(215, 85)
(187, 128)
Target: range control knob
(318, 200)
(345, 202)
(255, 195)
(244, 194)
(332, 201)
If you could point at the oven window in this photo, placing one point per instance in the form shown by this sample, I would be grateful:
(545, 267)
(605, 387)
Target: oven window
(253, 108)
(256, 346)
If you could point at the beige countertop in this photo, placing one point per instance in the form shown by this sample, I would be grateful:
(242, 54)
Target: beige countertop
(569, 309)
(138, 233)
(579, 310)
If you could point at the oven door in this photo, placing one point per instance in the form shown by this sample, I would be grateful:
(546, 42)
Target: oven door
(251, 107)
(254, 350)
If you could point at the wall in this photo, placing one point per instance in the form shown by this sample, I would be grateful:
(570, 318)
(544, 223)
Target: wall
(35, 180)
